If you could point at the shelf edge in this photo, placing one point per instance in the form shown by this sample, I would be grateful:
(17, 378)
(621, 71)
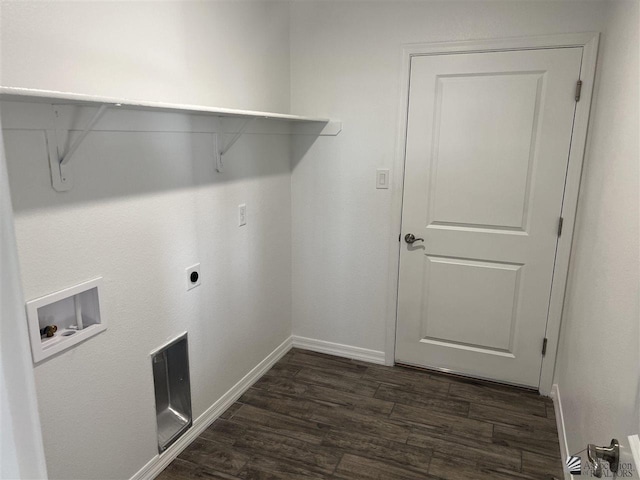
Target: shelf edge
(51, 96)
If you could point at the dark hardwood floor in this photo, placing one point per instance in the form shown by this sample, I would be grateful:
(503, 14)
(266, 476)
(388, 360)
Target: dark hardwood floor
(315, 416)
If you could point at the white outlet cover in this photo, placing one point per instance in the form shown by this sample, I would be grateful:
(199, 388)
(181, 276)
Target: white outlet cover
(242, 214)
(193, 269)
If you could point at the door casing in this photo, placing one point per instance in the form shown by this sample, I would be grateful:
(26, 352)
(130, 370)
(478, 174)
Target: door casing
(589, 42)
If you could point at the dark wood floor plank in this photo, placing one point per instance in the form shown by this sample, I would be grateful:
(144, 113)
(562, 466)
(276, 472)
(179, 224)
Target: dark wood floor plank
(253, 438)
(271, 444)
(181, 469)
(229, 412)
(326, 395)
(394, 453)
(315, 416)
(396, 394)
(337, 380)
(222, 431)
(454, 469)
(515, 400)
(444, 423)
(541, 466)
(468, 448)
(318, 413)
(293, 406)
(353, 467)
(343, 418)
(281, 369)
(352, 401)
(410, 380)
(281, 385)
(542, 442)
(500, 416)
(310, 432)
(261, 467)
(215, 456)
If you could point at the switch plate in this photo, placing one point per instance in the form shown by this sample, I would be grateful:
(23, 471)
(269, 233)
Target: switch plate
(193, 276)
(242, 214)
(382, 178)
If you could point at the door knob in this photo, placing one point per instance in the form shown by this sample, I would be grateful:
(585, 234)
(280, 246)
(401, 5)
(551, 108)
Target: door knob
(610, 454)
(410, 238)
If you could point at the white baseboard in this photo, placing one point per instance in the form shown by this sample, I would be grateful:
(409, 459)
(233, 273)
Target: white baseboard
(160, 462)
(562, 434)
(339, 350)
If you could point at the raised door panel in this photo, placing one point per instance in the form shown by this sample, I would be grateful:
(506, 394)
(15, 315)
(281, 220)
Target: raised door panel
(484, 139)
(469, 304)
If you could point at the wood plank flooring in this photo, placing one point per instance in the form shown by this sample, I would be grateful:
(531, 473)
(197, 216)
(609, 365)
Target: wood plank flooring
(315, 416)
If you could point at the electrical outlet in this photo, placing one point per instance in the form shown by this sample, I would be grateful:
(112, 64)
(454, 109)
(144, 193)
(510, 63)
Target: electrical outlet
(382, 178)
(193, 276)
(242, 214)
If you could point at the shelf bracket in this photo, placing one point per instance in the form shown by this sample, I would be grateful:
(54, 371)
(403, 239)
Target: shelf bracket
(59, 163)
(74, 146)
(222, 151)
(60, 176)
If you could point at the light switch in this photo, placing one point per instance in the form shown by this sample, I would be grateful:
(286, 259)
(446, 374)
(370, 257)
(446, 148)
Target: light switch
(242, 215)
(382, 178)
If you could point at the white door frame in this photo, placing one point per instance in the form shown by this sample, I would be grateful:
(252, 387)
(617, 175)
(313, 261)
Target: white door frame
(589, 42)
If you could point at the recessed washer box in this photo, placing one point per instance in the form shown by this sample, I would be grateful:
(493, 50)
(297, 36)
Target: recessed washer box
(172, 387)
(75, 313)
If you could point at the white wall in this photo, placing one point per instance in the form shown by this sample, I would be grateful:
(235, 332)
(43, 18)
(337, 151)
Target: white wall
(223, 53)
(147, 205)
(599, 354)
(345, 63)
(21, 450)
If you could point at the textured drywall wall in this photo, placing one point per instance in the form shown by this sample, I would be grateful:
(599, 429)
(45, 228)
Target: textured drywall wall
(345, 63)
(21, 450)
(598, 362)
(222, 53)
(146, 205)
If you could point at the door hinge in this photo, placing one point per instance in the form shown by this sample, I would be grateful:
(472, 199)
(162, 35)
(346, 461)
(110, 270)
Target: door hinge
(578, 90)
(560, 222)
(544, 347)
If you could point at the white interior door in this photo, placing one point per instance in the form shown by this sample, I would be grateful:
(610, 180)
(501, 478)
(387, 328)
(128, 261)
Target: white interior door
(487, 146)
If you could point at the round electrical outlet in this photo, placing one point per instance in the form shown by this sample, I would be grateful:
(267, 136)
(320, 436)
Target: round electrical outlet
(193, 276)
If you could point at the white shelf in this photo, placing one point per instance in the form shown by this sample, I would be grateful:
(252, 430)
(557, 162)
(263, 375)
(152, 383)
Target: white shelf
(60, 154)
(17, 94)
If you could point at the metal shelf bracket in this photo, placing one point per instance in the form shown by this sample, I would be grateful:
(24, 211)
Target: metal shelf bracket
(222, 151)
(59, 163)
